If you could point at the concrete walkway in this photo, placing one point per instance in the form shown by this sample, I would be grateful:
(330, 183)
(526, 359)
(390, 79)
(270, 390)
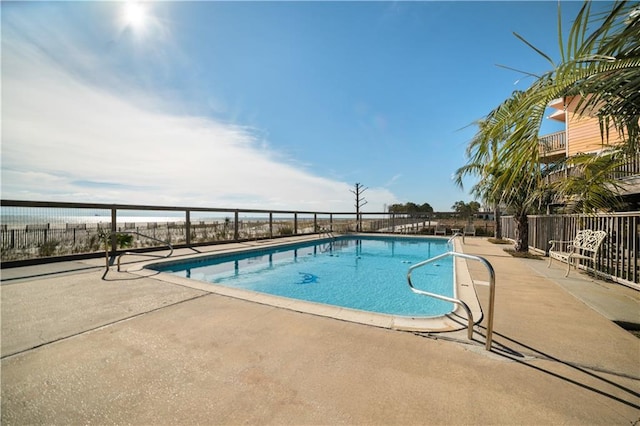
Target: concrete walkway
(77, 348)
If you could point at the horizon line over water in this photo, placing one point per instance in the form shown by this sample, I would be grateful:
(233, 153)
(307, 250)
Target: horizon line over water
(20, 221)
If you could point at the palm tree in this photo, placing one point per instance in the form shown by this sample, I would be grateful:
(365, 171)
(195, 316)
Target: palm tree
(602, 67)
(590, 185)
(483, 162)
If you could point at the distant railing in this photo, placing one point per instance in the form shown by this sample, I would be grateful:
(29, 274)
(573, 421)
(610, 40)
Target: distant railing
(34, 230)
(630, 166)
(37, 231)
(552, 143)
(619, 257)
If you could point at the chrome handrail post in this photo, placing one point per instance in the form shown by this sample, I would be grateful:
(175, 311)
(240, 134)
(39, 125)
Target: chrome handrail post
(492, 297)
(457, 234)
(492, 286)
(439, 296)
(492, 293)
(447, 299)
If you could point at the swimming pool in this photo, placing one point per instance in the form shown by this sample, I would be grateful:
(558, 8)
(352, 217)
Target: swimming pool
(359, 273)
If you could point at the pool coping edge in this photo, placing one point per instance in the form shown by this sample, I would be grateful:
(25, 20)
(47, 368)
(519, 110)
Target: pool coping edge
(453, 321)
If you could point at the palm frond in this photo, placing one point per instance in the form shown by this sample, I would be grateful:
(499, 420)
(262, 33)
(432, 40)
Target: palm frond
(601, 67)
(540, 52)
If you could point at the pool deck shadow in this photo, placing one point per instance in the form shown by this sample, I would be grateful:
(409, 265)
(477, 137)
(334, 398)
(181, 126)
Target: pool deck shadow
(77, 348)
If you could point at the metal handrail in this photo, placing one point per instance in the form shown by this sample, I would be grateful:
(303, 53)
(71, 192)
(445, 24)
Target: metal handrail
(457, 234)
(492, 286)
(143, 254)
(327, 232)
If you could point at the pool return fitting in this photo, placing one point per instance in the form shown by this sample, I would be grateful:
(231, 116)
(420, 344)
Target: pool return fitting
(492, 293)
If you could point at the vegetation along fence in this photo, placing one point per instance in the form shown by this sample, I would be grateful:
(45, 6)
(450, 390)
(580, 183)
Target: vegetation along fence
(34, 231)
(619, 257)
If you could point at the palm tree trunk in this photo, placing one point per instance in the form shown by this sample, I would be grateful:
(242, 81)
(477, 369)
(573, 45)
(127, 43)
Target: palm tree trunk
(498, 220)
(522, 233)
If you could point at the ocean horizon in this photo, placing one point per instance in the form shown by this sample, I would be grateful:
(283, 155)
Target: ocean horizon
(57, 221)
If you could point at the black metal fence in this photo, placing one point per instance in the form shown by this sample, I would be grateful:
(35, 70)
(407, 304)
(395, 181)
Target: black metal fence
(619, 256)
(34, 230)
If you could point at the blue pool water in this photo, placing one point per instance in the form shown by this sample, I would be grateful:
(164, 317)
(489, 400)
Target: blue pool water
(364, 273)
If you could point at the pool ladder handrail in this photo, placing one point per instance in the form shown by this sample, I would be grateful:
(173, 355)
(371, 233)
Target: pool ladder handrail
(457, 234)
(492, 286)
(167, 243)
(327, 232)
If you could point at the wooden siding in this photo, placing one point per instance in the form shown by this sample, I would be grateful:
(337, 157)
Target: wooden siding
(583, 135)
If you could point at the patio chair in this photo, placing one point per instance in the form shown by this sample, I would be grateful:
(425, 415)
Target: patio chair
(440, 229)
(585, 245)
(469, 229)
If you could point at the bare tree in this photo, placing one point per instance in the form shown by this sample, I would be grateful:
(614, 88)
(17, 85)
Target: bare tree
(360, 201)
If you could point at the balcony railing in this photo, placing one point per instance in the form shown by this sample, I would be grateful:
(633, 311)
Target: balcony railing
(629, 167)
(554, 143)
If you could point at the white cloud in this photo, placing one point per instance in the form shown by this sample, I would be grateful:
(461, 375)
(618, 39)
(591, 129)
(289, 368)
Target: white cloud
(64, 138)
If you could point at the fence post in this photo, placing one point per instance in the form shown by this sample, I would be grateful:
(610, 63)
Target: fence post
(295, 223)
(270, 224)
(114, 241)
(236, 234)
(187, 225)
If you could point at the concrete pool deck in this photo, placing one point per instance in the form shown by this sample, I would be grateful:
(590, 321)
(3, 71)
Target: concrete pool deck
(77, 348)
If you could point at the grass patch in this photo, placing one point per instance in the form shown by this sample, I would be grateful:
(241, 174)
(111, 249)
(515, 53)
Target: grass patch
(523, 255)
(498, 241)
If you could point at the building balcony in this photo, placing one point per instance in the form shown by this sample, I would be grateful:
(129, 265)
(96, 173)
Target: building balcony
(627, 172)
(553, 146)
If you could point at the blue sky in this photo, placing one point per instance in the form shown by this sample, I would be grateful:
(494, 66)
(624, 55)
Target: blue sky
(282, 105)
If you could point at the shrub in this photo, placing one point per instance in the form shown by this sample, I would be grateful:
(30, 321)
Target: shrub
(48, 248)
(124, 240)
(286, 230)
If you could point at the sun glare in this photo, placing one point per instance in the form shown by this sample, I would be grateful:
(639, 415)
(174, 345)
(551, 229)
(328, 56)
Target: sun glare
(135, 14)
